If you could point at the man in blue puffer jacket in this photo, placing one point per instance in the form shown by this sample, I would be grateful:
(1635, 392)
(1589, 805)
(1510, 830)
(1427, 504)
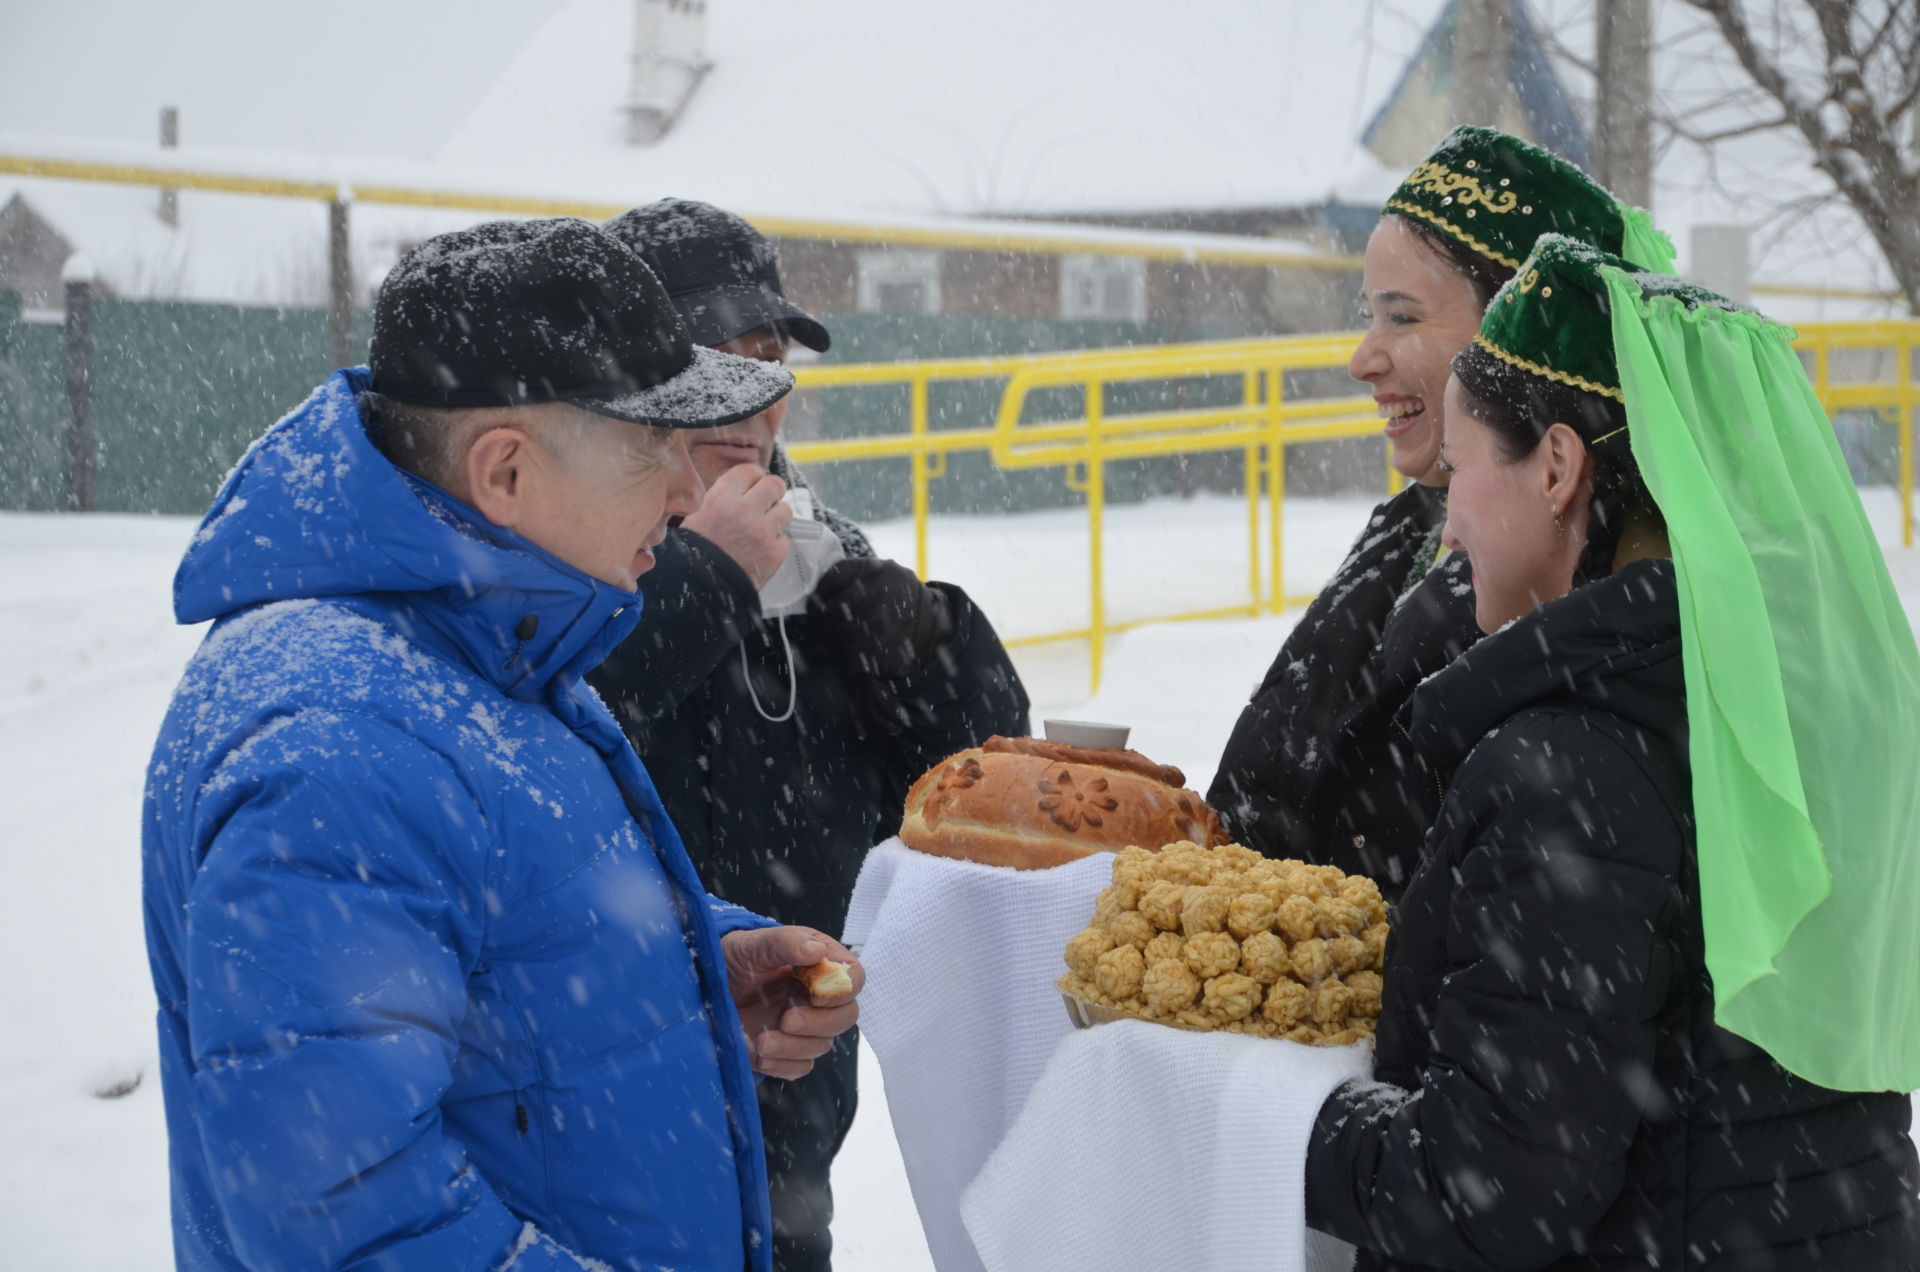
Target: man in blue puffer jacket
(438, 986)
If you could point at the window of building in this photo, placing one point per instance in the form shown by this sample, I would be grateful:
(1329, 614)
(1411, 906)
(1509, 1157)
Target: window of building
(1103, 287)
(895, 282)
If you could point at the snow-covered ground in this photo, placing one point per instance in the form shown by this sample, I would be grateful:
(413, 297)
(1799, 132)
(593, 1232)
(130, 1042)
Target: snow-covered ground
(89, 654)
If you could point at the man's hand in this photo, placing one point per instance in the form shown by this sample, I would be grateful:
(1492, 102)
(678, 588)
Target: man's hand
(742, 516)
(885, 621)
(787, 1028)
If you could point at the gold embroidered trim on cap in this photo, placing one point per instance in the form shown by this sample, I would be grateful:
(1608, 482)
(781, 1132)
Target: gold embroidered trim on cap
(1437, 178)
(1548, 373)
(1412, 209)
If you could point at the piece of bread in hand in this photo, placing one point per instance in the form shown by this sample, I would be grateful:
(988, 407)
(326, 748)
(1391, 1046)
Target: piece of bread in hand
(1032, 804)
(826, 979)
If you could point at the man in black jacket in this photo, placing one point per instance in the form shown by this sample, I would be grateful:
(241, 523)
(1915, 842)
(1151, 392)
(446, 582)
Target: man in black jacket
(786, 685)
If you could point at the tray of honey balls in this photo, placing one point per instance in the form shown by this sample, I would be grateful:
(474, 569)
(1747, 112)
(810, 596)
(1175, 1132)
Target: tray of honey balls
(1222, 938)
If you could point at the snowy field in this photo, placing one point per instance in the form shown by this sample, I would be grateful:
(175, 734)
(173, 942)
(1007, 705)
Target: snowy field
(89, 654)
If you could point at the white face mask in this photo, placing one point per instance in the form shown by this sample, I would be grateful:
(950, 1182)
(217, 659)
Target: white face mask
(814, 549)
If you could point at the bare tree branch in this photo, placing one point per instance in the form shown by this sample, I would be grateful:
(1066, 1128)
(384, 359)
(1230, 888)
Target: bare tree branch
(1862, 156)
(1558, 48)
(1901, 107)
(1878, 38)
(1726, 134)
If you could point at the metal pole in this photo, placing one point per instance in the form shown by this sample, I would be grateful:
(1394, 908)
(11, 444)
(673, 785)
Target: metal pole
(1721, 257)
(169, 140)
(1623, 135)
(1096, 528)
(1904, 351)
(81, 444)
(1250, 486)
(1276, 489)
(922, 504)
(339, 284)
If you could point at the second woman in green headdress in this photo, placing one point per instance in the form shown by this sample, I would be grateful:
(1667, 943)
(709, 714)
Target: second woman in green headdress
(1651, 998)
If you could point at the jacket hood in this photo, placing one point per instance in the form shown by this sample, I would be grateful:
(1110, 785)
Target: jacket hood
(1614, 643)
(313, 510)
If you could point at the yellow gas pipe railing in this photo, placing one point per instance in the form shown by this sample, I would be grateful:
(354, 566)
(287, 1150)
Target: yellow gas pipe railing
(1262, 425)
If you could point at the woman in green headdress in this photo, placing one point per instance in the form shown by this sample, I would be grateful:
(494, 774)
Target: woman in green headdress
(1318, 766)
(1653, 994)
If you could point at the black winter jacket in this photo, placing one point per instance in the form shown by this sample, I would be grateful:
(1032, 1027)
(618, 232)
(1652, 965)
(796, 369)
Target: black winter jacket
(1317, 766)
(778, 817)
(1551, 1089)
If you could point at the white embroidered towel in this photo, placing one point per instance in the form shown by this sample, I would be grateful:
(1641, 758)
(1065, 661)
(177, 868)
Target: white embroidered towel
(1146, 1147)
(960, 1007)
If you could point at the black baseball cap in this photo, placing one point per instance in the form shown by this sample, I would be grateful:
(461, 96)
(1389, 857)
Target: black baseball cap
(512, 313)
(723, 275)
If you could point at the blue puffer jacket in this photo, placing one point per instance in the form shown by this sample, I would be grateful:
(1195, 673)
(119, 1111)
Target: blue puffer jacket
(439, 988)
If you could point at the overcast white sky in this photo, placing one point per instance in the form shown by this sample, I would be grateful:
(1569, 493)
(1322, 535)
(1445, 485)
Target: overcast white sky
(253, 74)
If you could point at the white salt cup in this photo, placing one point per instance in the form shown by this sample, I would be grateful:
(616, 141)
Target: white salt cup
(1088, 733)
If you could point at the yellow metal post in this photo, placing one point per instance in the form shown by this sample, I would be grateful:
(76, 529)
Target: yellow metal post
(917, 424)
(1096, 513)
(1250, 479)
(1276, 489)
(1904, 350)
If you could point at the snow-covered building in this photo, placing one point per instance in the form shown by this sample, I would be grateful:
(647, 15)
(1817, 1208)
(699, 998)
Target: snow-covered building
(864, 134)
(32, 254)
(1267, 120)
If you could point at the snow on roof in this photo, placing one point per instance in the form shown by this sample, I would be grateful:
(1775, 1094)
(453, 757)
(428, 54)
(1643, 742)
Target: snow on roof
(821, 108)
(228, 247)
(270, 249)
(835, 109)
(999, 107)
(873, 110)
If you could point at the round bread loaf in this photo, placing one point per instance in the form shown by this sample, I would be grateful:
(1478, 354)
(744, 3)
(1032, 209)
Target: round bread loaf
(1031, 804)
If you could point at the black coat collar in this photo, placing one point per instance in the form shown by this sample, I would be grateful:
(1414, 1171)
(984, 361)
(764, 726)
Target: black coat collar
(1614, 643)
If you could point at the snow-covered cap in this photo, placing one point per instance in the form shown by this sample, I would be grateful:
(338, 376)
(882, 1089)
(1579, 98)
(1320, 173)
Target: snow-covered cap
(1553, 320)
(723, 275)
(514, 313)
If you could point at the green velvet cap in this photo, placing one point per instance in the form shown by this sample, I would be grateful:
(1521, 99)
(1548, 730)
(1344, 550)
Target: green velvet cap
(1498, 194)
(1553, 319)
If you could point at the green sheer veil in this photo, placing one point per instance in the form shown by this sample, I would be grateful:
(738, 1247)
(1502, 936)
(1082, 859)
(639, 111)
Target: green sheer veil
(1803, 691)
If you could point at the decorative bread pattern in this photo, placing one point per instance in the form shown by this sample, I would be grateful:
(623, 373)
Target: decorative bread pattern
(1223, 938)
(1031, 804)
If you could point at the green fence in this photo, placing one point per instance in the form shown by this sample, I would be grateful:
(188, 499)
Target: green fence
(181, 388)
(178, 392)
(33, 411)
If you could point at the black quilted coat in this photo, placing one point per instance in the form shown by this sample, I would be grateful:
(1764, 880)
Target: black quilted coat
(1552, 1091)
(1318, 766)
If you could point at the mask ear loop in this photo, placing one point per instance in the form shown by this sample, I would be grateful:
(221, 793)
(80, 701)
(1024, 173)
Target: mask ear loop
(793, 679)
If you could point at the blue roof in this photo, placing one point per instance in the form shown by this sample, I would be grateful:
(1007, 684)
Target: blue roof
(1549, 112)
